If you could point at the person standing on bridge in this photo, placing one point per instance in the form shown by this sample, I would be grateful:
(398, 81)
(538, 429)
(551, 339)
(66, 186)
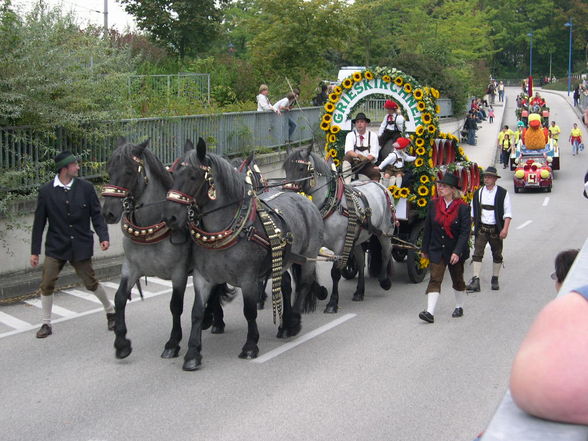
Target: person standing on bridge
(68, 203)
(263, 102)
(361, 150)
(445, 244)
(491, 214)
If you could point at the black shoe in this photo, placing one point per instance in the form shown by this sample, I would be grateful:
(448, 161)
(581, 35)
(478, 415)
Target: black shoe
(457, 312)
(474, 285)
(427, 317)
(494, 283)
(45, 331)
(110, 320)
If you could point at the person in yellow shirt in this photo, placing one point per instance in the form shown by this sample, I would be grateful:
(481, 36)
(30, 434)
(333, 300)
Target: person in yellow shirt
(505, 131)
(554, 132)
(576, 140)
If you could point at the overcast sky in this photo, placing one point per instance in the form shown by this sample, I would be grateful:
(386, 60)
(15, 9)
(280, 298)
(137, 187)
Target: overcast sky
(88, 11)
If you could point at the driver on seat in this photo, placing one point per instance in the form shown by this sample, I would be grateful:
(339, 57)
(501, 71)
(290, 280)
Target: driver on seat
(361, 150)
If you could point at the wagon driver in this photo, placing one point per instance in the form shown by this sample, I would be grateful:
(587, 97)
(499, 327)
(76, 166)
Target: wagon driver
(491, 215)
(361, 150)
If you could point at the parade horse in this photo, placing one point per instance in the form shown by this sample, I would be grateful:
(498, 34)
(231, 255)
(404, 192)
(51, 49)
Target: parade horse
(136, 192)
(309, 173)
(240, 238)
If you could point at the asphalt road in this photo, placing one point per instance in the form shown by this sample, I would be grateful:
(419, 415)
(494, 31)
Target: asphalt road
(379, 373)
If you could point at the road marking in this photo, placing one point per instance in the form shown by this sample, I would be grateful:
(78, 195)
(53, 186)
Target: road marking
(13, 322)
(55, 309)
(82, 295)
(524, 224)
(302, 339)
(546, 201)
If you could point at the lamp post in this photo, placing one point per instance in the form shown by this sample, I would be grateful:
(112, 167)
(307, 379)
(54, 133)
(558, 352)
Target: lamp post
(570, 25)
(530, 34)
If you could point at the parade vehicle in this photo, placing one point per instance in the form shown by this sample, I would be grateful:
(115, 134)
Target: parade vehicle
(533, 172)
(436, 152)
(535, 141)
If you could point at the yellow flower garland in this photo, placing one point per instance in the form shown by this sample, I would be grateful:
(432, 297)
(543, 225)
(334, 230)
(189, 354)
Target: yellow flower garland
(435, 93)
(336, 162)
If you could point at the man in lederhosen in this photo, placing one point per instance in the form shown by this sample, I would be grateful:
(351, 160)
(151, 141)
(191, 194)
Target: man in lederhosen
(391, 129)
(491, 214)
(361, 150)
(68, 204)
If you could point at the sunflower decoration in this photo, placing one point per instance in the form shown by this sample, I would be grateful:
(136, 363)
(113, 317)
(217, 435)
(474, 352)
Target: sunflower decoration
(404, 192)
(357, 76)
(421, 106)
(335, 129)
(420, 131)
(336, 162)
(420, 150)
(368, 75)
(427, 118)
(386, 78)
(422, 202)
(419, 162)
(347, 83)
(418, 94)
(424, 262)
(325, 126)
(435, 93)
(424, 179)
(431, 129)
(423, 190)
(332, 138)
(332, 153)
(333, 99)
(398, 81)
(407, 88)
(327, 117)
(437, 108)
(337, 90)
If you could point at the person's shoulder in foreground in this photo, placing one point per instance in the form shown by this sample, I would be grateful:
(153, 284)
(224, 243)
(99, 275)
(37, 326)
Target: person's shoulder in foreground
(549, 375)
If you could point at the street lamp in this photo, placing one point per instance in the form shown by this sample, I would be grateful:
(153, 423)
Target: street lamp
(570, 25)
(530, 34)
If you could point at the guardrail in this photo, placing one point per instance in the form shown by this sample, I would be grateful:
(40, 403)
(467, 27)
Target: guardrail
(511, 423)
(27, 148)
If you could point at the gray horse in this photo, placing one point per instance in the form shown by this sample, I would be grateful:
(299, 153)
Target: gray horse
(313, 176)
(228, 223)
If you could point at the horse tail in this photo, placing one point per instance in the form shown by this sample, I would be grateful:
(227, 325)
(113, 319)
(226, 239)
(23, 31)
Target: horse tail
(375, 260)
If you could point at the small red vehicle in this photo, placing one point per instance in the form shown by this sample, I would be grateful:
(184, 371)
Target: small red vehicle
(533, 172)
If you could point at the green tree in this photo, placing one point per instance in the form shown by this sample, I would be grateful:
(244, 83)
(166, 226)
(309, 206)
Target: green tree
(186, 27)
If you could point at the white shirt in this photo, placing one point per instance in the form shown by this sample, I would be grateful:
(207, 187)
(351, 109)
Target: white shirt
(369, 140)
(263, 103)
(487, 198)
(283, 104)
(58, 183)
(399, 124)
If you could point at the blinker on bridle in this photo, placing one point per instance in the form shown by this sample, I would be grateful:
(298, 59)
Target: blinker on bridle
(114, 191)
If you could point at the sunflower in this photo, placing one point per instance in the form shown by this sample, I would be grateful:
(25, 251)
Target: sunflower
(427, 118)
(435, 93)
(386, 78)
(423, 190)
(368, 75)
(420, 130)
(325, 126)
(333, 153)
(461, 152)
(357, 76)
(335, 129)
(421, 106)
(407, 88)
(327, 117)
(424, 262)
(434, 191)
(431, 165)
(424, 179)
(396, 193)
(329, 107)
(337, 90)
(420, 142)
(347, 83)
(431, 128)
(336, 162)
(418, 94)
(332, 137)
(420, 150)
(419, 162)
(392, 188)
(437, 108)
(404, 192)
(333, 99)
(422, 202)
(398, 81)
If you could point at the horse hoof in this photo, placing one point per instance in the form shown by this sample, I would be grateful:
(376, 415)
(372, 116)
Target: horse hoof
(357, 297)
(123, 352)
(386, 284)
(331, 309)
(170, 352)
(294, 330)
(218, 329)
(249, 354)
(323, 293)
(191, 365)
(281, 332)
(207, 322)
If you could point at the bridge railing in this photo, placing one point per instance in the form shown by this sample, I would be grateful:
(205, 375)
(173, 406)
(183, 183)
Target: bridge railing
(511, 423)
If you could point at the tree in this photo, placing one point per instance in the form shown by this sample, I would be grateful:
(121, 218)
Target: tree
(186, 27)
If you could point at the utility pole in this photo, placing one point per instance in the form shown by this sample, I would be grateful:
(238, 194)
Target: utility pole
(105, 18)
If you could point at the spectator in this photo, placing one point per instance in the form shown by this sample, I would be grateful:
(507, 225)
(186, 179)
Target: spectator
(506, 144)
(554, 132)
(285, 105)
(491, 114)
(577, 96)
(576, 140)
(501, 92)
(470, 127)
(263, 102)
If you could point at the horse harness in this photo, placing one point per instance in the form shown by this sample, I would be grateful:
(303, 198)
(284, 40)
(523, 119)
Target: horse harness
(242, 226)
(141, 235)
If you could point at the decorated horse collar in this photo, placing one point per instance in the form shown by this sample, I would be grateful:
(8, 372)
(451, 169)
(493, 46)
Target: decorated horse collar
(144, 235)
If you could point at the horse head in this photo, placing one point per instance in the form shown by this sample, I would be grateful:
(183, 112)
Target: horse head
(300, 167)
(126, 169)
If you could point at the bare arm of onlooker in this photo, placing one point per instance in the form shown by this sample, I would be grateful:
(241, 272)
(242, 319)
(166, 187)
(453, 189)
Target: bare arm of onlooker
(548, 377)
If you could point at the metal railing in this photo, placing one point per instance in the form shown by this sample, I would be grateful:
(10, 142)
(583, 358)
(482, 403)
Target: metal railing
(374, 108)
(26, 152)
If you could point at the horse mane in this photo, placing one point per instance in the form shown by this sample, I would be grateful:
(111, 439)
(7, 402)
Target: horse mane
(125, 152)
(224, 173)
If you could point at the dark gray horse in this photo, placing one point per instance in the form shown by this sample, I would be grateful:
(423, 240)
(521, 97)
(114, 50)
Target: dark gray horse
(313, 175)
(137, 189)
(228, 224)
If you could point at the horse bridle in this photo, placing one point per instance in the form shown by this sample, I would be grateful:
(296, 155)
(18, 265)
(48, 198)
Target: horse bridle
(186, 199)
(115, 191)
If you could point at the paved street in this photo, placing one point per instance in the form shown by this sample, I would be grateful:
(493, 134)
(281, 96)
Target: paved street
(374, 371)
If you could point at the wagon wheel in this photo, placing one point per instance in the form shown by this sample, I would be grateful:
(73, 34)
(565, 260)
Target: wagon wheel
(350, 269)
(416, 274)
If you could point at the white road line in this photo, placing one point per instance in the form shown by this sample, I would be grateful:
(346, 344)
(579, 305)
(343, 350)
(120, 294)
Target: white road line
(302, 339)
(56, 309)
(13, 322)
(524, 224)
(82, 295)
(546, 201)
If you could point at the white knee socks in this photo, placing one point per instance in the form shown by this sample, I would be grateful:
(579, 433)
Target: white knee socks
(477, 268)
(101, 294)
(458, 298)
(432, 298)
(47, 306)
(496, 269)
